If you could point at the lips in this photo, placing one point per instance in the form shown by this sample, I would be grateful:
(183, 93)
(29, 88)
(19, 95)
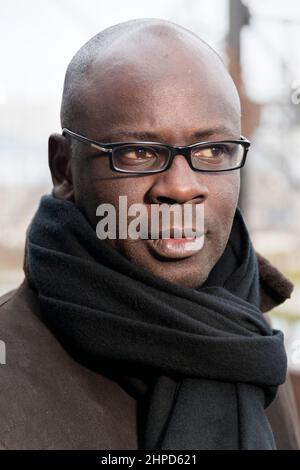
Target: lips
(176, 248)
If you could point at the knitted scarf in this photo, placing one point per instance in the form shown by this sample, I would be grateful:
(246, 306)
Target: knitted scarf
(203, 364)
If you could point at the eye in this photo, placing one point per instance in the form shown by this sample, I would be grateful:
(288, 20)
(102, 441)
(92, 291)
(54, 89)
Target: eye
(212, 153)
(137, 153)
(137, 158)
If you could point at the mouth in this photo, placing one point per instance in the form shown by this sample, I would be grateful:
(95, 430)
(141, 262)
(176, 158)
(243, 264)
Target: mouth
(176, 248)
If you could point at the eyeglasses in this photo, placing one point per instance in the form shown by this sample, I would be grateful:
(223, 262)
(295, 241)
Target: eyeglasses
(154, 157)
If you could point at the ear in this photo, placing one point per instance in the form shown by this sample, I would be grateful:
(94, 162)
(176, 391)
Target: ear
(59, 160)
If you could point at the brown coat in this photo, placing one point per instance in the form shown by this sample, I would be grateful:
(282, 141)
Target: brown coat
(50, 401)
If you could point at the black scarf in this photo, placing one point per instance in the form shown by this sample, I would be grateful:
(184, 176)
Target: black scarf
(202, 363)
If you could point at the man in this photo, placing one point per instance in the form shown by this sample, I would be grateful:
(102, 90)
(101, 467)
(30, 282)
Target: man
(131, 343)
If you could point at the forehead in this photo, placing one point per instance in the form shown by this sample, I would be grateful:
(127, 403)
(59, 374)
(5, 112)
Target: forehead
(159, 90)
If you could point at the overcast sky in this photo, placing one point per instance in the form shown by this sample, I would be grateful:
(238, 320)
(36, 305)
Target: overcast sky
(38, 37)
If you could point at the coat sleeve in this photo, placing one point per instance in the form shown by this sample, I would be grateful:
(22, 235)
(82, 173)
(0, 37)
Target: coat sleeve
(282, 413)
(283, 417)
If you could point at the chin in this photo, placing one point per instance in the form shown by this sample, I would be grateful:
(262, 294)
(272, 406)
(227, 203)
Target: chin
(190, 272)
(189, 279)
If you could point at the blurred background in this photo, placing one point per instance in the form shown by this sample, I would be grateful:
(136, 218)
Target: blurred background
(260, 43)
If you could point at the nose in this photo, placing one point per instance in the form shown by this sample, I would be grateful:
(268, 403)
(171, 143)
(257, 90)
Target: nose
(179, 184)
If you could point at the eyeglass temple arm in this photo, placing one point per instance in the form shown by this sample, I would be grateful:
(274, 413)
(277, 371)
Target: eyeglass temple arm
(85, 140)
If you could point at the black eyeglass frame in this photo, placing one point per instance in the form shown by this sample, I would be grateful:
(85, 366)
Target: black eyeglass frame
(108, 148)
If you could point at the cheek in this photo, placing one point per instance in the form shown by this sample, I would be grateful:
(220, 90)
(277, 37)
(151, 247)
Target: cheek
(221, 204)
(93, 187)
(223, 195)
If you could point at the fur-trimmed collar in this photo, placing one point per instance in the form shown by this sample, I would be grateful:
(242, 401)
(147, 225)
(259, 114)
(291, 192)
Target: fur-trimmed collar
(275, 287)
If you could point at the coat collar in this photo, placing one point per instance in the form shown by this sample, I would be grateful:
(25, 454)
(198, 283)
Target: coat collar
(275, 288)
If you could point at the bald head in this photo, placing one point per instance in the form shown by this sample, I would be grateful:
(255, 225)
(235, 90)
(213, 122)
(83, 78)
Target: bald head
(141, 54)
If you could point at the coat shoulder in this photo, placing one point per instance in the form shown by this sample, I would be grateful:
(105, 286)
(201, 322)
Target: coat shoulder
(7, 297)
(48, 400)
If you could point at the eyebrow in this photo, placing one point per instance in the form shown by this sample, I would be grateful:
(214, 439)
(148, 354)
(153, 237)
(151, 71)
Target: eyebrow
(153, 136)
(217, 131)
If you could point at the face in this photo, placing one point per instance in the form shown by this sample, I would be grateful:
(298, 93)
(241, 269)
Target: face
(175, 98)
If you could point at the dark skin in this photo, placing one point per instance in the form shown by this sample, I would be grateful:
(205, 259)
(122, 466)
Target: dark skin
(174, 91)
